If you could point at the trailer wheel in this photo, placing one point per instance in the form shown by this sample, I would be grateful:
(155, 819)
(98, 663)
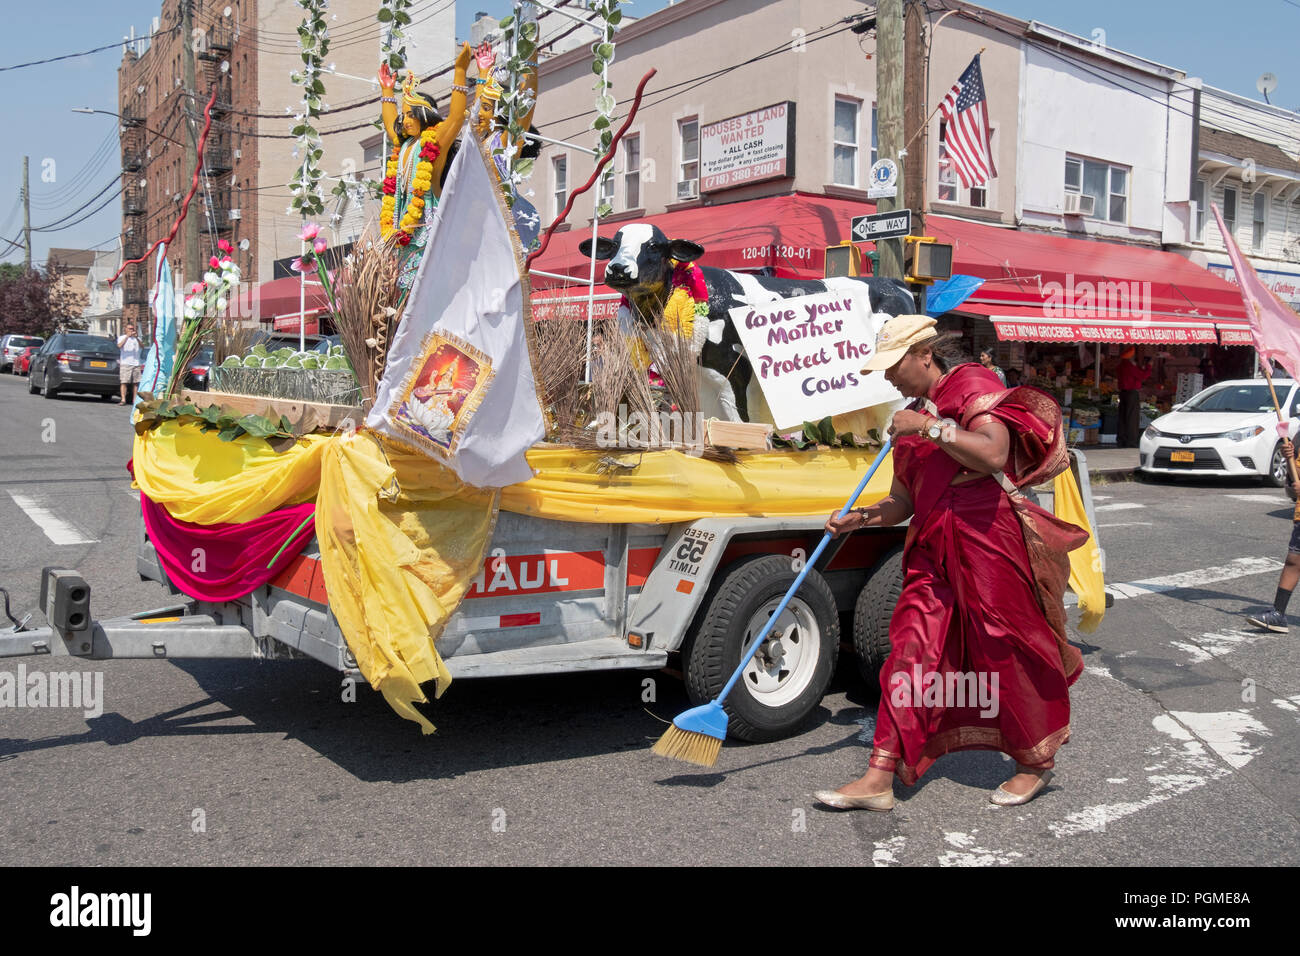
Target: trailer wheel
(790, 672)
(871, 616)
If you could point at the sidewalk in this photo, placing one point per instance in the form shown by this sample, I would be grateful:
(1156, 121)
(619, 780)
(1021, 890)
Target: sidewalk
(1116, 463)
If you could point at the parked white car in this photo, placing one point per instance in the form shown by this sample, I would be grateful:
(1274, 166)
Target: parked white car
(1229, 429)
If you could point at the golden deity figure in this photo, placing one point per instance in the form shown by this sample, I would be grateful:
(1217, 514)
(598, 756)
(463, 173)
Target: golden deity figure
(422, 146)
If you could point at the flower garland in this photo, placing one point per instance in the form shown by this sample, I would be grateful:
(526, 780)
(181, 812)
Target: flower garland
(314, 44)
(421, 182)
(687, 302)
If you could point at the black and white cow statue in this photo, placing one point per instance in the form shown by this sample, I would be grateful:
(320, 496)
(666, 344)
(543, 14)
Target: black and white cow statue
(641, 267)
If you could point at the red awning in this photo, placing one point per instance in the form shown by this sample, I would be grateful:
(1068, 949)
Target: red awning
(1045, 288)
(281, 297)
(787, 233)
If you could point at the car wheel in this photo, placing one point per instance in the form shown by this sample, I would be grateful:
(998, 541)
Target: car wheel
(788, 676)
(1277, 468)
(31, 384)
(871, 616)
(49, 391)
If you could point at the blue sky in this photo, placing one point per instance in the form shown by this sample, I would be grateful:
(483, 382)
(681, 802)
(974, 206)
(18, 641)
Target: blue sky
(1194, 35)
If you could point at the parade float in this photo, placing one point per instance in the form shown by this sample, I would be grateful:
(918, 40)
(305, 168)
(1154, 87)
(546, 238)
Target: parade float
(463, 489)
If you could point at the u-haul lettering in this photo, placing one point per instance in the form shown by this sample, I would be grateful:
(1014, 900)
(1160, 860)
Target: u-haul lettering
(503, 575)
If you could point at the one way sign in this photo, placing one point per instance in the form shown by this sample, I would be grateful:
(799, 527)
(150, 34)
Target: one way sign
(882, 225)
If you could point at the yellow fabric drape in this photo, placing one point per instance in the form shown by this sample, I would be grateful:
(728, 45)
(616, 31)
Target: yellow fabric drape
(391, 620)
(1085, 562)
(200, 478)
(669, 486)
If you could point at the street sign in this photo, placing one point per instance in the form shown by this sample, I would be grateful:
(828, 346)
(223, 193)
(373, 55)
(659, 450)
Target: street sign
(881, 225)
(882, 182)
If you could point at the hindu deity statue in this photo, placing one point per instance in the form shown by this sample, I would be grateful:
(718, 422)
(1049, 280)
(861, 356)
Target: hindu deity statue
(423, 142)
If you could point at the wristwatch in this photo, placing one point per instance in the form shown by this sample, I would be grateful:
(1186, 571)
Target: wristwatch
(934, 429)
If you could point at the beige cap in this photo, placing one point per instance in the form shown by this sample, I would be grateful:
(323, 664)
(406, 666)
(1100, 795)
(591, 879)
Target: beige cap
(898, 335)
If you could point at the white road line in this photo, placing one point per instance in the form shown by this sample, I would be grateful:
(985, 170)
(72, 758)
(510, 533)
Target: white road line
(1119, 506)
(1240, 568)
(1102, 497)
(1124, 524)
(1271, 499)
(55, 528)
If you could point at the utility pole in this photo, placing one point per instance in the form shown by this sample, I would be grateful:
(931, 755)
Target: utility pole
(889, 106)
(915, 109)
(27, 220)
(191, 244)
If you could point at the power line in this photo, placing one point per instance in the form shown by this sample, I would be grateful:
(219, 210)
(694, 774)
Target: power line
(70, 56)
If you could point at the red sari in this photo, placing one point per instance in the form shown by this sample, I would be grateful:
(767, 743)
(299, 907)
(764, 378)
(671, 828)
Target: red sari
(983, 577)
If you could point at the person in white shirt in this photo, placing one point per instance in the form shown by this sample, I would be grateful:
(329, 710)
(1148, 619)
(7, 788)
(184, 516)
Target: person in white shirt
(129, 362)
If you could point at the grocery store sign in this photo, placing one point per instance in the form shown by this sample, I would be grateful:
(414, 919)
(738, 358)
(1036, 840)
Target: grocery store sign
(807, 354)
(1083, 332)
(749, 148)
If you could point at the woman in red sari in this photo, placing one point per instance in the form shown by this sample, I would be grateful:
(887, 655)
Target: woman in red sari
(979, 656)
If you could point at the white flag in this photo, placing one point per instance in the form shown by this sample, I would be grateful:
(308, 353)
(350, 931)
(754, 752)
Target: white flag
(459, 383)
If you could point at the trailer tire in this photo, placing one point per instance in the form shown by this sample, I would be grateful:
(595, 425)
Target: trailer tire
(876, 603)
(771, 701)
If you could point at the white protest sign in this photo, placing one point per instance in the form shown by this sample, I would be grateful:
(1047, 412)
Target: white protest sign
(807, 353)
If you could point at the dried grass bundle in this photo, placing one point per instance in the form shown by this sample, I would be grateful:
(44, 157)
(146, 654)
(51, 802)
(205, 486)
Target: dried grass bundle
(231, 337)
(558, 361)
(368, 300)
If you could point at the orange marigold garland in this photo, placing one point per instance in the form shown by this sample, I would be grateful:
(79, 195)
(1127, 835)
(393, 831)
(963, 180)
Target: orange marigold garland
(421, 183)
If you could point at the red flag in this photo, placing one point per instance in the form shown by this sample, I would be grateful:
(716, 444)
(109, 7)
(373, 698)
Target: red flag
(1274, 327)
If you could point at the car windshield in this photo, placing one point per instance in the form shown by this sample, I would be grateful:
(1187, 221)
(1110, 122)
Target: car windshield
(90, 343)
(25, 341)
(1231, 398)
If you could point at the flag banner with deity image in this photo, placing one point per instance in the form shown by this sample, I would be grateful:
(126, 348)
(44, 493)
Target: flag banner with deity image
(459, 385)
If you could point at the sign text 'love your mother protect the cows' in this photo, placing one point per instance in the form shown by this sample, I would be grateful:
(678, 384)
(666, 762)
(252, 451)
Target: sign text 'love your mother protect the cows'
(808, 351)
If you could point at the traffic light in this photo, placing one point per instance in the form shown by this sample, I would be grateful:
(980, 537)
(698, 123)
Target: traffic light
(927, 261)
(843, 260)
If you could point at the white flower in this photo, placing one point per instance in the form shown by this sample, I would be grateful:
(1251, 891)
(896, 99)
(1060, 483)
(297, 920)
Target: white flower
(211, 278)
(221, 303)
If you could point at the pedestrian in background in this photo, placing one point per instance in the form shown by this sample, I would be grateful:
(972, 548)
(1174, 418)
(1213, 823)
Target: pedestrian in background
(986, 359)
(1274, 619)
(1131, 379)
(129, 362)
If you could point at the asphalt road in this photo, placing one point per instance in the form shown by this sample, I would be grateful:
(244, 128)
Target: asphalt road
(1184, 752)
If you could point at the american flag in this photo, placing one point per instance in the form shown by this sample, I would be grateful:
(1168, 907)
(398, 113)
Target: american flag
(967, 136)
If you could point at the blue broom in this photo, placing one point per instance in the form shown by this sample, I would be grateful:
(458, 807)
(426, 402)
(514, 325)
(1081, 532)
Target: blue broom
(697, 734)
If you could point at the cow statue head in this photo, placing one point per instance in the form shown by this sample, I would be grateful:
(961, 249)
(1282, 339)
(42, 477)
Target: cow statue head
(641, 259)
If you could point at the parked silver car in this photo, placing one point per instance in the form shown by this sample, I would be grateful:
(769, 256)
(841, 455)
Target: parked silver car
(11, 346)
(75, 362)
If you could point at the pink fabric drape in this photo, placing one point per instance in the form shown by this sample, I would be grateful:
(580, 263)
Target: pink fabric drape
(222, 562)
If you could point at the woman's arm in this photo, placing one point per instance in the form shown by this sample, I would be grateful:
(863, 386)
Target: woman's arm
(449, 130)
(984, 449)
(894, 508)
(387, 110)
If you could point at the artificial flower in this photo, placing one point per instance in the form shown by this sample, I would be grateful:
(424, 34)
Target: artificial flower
(309, 232)
(320, 245)
(225, 246)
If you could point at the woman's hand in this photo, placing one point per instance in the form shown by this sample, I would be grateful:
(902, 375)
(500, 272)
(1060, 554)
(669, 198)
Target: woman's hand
(836, 526)
(386, 79)
(908, 422)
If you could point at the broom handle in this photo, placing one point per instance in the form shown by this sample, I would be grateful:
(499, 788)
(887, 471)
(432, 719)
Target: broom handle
(812, 559)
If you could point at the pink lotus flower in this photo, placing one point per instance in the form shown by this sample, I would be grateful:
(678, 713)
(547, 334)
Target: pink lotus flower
(309, 232)
(225, 246)
(321, 245)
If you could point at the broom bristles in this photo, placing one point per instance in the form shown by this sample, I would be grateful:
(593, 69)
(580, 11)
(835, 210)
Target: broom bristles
(688, 746)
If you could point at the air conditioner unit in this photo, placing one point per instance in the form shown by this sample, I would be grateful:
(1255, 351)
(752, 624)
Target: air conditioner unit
(234, 214)
(688, 190)
(1077, 204)
(237, 154)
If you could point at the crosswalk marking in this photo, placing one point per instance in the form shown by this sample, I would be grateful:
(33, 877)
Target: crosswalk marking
(54, 527)
(1271, 499)
(1119, 506)
(1240, 568)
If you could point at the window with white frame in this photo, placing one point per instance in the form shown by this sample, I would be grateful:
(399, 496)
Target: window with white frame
(688, 138)
(560, 177)
(631, 171)
(875, 137)
(1230, 209)
(1105, 183)
(949, 183)
(845, 149)
(1198, 222)
(1259, 221)
(607, 189)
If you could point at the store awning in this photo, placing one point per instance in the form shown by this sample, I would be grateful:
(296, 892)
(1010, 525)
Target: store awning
(281, 297)
(787, 234)
(1040, 287)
